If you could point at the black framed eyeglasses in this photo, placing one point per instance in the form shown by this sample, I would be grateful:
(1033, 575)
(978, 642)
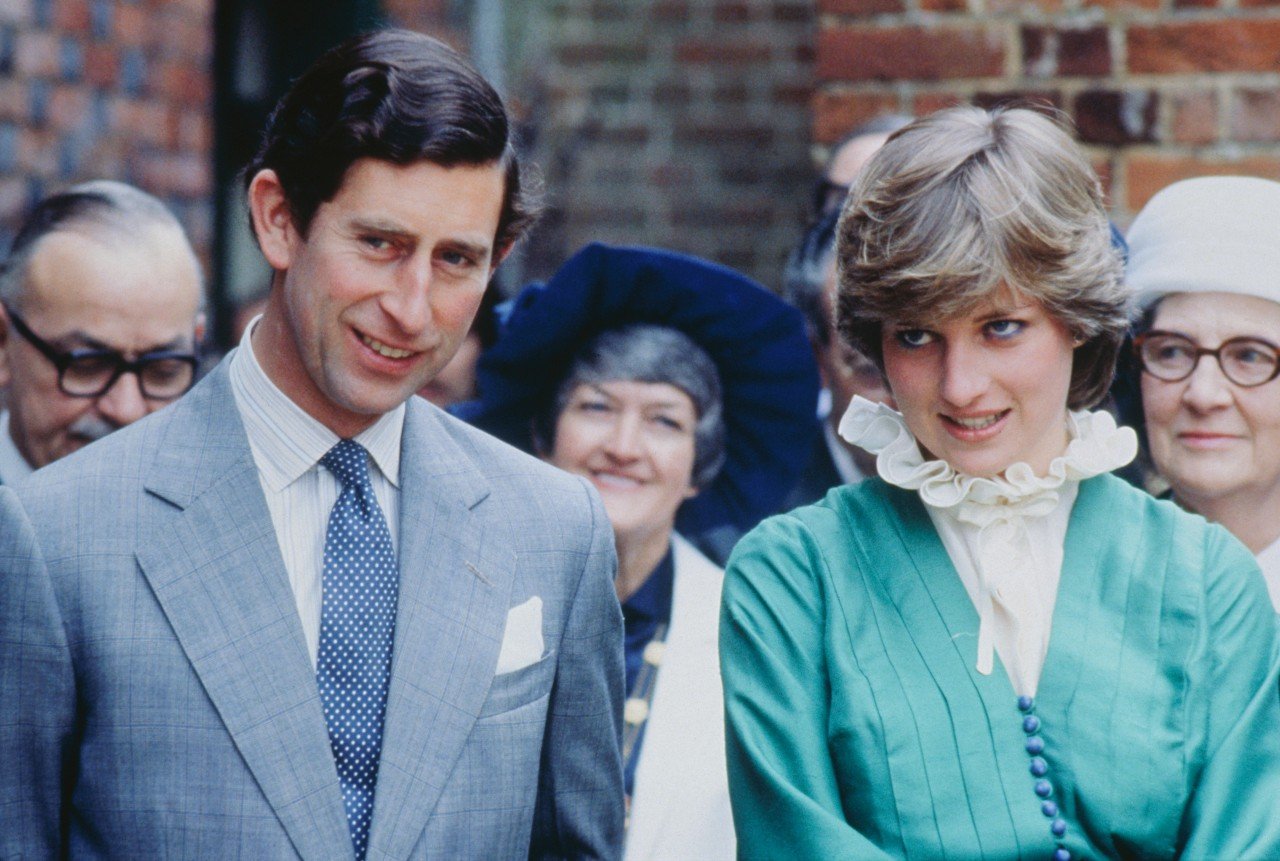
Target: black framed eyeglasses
(162, 375)
(1171, 357)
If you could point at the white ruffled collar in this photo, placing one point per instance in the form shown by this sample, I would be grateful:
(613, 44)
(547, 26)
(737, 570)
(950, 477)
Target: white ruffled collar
(997, 510)
(1097, 445)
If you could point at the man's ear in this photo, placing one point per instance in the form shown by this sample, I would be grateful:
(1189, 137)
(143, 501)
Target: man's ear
(499, 254)
(199, 330)
(272, 220)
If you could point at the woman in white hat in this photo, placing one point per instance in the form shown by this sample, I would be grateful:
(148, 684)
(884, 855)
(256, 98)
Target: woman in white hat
(1205, 259)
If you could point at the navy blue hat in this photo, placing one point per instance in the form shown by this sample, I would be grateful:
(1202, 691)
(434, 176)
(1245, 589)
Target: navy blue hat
(758, 343)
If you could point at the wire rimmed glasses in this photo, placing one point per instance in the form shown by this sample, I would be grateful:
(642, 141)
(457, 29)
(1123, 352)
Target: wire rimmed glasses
(1172, 357)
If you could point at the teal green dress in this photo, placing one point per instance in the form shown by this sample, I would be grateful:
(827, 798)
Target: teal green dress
(859, 728)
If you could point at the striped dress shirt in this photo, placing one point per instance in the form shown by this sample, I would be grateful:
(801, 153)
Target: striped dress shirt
(287, 445)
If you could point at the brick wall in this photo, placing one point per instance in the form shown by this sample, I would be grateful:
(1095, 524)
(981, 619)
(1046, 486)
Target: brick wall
(1159, 89)
(681, 123)
(107, 88)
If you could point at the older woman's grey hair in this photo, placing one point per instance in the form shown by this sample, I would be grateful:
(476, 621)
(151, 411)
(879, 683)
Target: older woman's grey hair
(966, 200)
(647, 353)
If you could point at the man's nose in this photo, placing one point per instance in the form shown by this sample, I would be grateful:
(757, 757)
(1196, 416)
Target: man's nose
(123, 403)
(408, 303)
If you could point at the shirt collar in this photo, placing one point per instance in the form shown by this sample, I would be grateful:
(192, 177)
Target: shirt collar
(285, 439)
(13, 466)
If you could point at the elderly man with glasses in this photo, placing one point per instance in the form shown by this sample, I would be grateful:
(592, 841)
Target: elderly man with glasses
(100, 314)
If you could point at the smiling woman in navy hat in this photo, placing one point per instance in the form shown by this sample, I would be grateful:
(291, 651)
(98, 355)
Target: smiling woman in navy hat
(685, 394)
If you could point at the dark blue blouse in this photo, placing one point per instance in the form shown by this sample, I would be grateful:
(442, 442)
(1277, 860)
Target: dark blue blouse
(642, 614)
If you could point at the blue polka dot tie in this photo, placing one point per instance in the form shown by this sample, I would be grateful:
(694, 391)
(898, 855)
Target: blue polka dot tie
(357, 626)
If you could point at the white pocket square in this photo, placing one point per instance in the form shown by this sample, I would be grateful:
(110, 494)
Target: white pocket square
(522, 639)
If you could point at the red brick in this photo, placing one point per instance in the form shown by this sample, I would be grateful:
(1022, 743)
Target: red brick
(603, 11)
(722, 133)
(594, 53)
(736, 12)
(13, 100)
(670, 10)
(944, 5)
(130, 24)
(68, 108)
(36, 54)
(1205, 46)
(1049, 52)
(927, 103)
(672, 176)
(1150, 172)
(38, 152)
(732, 212)
(1115, 117)
(105, 158)
(672, 93)
(101, 64)
(790, 13)
(860, 7)
(181, 175)
(1020, 6)
(1195, 117)
(1194, 4)
(731, 92)
(144, 122)
(909, 53)
(834, 114)
(1255, 115)
(630, 134)
(708, 52)
(195, 131)
(180, 82)
(1124, 4)
(71, 16)
(791, 94)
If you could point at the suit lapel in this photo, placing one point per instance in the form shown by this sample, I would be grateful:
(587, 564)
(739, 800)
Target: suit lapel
(455, 591)
(217, 572)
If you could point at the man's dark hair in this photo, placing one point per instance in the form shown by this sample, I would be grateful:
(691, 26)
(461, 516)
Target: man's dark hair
(392, 95)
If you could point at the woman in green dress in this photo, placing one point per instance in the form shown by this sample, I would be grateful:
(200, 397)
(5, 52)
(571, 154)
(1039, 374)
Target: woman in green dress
(994, 649)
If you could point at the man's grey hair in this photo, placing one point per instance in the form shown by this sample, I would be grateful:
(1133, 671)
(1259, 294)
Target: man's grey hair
(91, 207)
(648, 353)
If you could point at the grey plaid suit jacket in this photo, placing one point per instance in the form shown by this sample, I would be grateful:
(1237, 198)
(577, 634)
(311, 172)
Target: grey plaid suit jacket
(157, 700)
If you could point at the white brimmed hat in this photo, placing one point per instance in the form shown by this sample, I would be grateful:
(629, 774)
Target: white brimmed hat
(1211, 234)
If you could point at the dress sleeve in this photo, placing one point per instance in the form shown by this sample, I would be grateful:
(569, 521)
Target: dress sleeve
(1234, 811)
(782, 782)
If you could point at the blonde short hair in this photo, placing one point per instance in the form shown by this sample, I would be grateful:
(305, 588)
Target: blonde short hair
(965, 200)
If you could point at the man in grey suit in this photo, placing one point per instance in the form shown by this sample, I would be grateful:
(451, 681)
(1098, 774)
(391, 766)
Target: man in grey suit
(301, 613)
